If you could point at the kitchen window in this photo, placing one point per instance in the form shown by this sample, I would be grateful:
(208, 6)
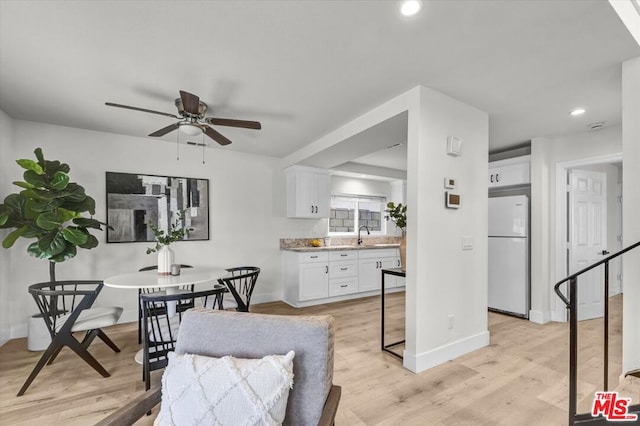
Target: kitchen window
(349, 212)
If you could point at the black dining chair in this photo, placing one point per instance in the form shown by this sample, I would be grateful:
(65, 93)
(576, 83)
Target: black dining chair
(240, 283)
(66, 308)
(183, 289)
(160, 329)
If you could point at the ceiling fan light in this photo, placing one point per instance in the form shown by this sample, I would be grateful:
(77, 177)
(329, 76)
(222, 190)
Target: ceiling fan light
(190, 129)
(410, 7)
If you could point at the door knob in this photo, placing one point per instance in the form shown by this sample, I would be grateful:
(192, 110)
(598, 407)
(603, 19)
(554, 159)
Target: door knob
(605, 252)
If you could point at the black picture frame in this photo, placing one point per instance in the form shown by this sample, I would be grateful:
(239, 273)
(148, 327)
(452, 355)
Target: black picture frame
(136, 200)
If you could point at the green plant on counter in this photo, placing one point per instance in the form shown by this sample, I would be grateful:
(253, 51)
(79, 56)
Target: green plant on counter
(50, 209)
(177, 232)
(397, 214)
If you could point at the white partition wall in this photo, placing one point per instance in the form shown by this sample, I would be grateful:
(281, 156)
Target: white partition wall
(446, 285)
(630, 209)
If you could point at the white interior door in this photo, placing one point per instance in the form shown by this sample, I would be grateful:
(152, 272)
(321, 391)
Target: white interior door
(588, 237)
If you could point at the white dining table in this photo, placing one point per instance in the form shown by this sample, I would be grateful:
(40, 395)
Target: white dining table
(169, 283)
(151, 278)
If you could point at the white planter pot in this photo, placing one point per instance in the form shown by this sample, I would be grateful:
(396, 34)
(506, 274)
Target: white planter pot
(38, 337)
(165, 260)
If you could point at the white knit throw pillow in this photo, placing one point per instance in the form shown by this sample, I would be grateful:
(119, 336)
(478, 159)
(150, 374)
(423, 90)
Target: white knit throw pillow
(201, 390)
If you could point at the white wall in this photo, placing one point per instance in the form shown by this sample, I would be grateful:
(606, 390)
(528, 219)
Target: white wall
(6, 157)
(545, 154)
(630, 213)
(442, 279)
(247, 211)
(348, 185)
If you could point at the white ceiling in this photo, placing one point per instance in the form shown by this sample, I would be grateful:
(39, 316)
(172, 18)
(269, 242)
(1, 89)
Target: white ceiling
(304, 68)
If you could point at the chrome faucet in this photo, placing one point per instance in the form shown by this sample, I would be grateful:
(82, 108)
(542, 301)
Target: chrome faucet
(360, 229)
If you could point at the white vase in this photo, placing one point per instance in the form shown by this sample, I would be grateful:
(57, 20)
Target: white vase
(165, 260)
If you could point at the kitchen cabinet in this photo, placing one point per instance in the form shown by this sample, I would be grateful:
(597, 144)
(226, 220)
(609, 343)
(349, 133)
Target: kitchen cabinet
(308, 192)
(343, 272)
(311, 273)
(370, 266)
(509, 172)
(324, 276)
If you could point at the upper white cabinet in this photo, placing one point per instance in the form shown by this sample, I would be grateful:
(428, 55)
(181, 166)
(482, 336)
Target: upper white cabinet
(509, 172)
(308, 192)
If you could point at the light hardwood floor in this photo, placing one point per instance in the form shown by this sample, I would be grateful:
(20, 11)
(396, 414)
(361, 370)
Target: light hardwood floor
(520, 379)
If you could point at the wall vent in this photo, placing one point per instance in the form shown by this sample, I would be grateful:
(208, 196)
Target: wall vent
(597, 125)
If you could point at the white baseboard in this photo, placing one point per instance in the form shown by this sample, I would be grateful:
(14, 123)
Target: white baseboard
(539, 317)
(4, 338)
(559, 316)
(19, 330)
(424, 361)
(265, 298)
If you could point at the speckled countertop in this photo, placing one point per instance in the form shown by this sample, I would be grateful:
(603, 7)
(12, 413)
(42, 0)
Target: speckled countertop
(304, 244)
(334, 248)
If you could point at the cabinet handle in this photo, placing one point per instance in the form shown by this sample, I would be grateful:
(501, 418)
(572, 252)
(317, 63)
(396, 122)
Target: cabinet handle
(344, 285)
(491, 178)
(314, 257)
(497, 177)
(343, 269)
(326, 269)
(398, 263)
(311, 209)
(343, 255)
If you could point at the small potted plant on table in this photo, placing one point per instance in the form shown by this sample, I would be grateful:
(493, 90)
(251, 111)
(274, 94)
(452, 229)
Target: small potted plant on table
(176, 232)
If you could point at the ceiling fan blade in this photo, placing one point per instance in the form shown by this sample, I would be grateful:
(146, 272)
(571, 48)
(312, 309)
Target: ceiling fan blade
(141, 109)
(234, 123)
(190, 102)
(216, 136)
(165, 130)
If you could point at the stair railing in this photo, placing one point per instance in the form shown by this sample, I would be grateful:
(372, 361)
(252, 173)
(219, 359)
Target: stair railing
(571, 304)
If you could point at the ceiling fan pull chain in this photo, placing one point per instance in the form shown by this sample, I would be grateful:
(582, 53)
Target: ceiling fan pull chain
(202, 148)
(178, 146)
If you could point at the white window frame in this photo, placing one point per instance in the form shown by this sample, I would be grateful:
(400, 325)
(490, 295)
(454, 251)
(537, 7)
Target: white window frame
(357, 198)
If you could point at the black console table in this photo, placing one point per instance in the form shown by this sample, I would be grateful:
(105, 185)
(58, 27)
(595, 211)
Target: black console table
(387, 347)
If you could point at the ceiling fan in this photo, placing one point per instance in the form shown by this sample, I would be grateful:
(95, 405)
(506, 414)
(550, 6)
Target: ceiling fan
(191, 118)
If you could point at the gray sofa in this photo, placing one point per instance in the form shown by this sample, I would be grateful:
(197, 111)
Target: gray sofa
(312, 401)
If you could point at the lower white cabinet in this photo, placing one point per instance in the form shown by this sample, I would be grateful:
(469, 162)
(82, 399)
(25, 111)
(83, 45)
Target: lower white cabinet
(314, 283)
(340, 286)
(370, 268)
(343, 272)
(310, 272)
(316, 277)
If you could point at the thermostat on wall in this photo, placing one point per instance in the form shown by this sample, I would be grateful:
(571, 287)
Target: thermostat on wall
(454, 145)
(450, 183)
(452, 201)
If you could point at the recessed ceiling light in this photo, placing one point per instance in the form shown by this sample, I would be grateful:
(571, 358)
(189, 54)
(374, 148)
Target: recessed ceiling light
(578, 111)
(410, 7)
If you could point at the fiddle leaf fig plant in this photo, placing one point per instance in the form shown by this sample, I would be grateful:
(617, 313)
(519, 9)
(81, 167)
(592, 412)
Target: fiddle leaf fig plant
(50, 209)
(397, 214)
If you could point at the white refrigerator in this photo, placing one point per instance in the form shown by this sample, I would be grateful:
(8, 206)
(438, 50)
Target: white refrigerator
(509, 255)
